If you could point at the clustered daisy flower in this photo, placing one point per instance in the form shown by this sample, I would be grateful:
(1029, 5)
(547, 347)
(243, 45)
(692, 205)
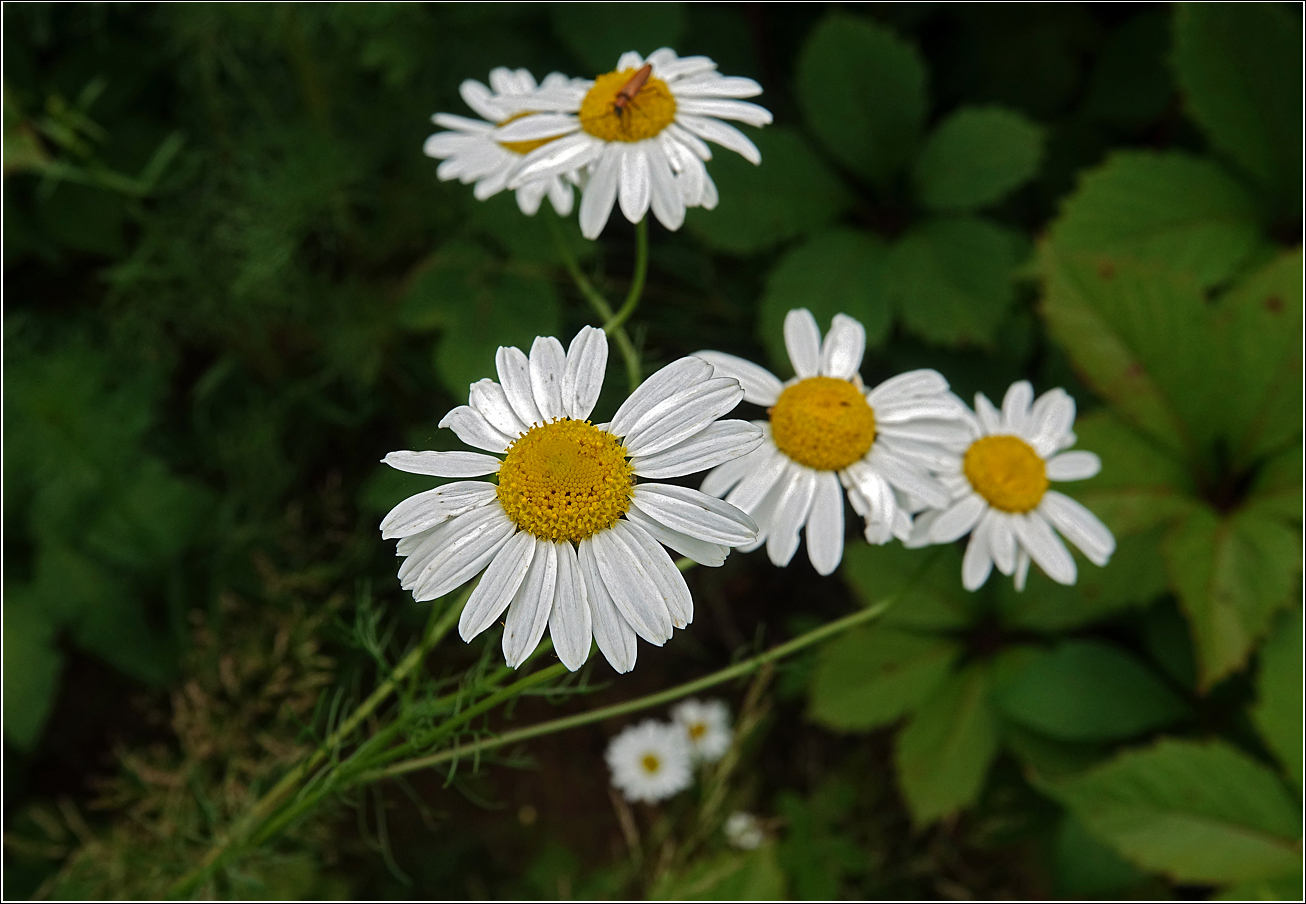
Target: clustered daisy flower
(706, 726)
(571, 534)
(744, 831)
(653, 760)
(636, 136)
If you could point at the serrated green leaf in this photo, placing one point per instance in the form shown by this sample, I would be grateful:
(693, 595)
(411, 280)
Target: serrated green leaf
(872, 676)
(943, 755)
(862, 89)
(1240, 71)
(1277, 712)
(791, 194)
(929, 579)
(952, 279)
(32, 664)
(1089, 691)
(731, 876)
(1198, 812)
(976, 157)
(1277, 490)
(1086, 868)
(1180, 212)
(1231, 573)
(598, 34)
(837, 272)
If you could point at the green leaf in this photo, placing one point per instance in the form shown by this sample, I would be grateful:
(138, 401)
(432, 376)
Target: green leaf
(872, 676)
(1277, 888)
(1277, 491)
(1086, 868)
(862, 89)
(1240, 71)
(933, 598)
(1231, 573)
(1178, 211)
(952, 279)
(976, 157)
(943, 754)
(792, 194)
(731, 876)
(836, 272)
(1259, 323)
(1089, 691)
(816, 852)
(598, 34)
(32, 664)
(1198, 812)
(151, 520)
(1277, 712)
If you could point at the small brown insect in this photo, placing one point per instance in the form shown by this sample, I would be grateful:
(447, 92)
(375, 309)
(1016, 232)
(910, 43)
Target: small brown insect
(631, 88)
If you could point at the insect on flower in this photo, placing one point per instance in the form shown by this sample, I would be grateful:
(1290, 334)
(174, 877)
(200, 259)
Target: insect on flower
(628, 91)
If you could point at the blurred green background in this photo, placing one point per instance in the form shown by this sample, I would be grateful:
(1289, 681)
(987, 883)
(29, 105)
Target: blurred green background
(233, 283)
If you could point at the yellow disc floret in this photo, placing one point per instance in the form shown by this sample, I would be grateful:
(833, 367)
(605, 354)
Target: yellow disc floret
(697, 730)
(651, 763)
(1007, 472)
(565, 480)
(604, 116)
(823, 423)
(522, 147)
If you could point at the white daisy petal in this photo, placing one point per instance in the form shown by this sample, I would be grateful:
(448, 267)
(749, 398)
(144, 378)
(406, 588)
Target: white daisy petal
(796, 489)
(841, 353)
(629, 583)
(614, 635)
(738, 110)
(727, 136)
(684, 67)
(1022, 569)
(719, 442)
(530, 196)
(695, 513)
(977, 564)
(548, 364)
(1076, 465)
(470, 426)
(560, 196)
(715, 85)
(803, 343)
(1015, 408)
(444, 464)
(568, 154)
(528, 615)
(475, 539)
(681, 416)
(490, 399)
(462, 124)
(600, 192)
(825, 524)
(899, 472)
(498, 586)
(587, 360)
(425, 510)
(635, 188)
(676, 377)
(767, 472)
(570, 623)
(913, 384)
(1044, 547)
(665, 198)
(958, 519)
(1002, 540)
(1050, 420)
(479, 98)
(1078, 525)
(514, 370)
(989, 417)
(670, 583)
(761, 387)
(722, 479)
(537, 126)
(629, 60)
(710, 554)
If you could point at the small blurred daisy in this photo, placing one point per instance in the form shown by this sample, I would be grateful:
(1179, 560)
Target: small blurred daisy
(706, 726)
(650, 761)
(744, 831)
(640, 130)
(827, 430)
(472, 154)
(572, 541)
(1000, 495)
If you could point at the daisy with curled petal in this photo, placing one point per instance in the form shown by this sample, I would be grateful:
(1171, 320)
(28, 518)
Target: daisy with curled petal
(706, 726)
(471, 153)
(572, 541)
(641, 133)
(999, 486)
(650, 761)
(826, 431)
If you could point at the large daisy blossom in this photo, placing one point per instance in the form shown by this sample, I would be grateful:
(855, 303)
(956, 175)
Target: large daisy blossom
(650, 761)
(571, 540)
(999, 484)
(706, 726)
(643, 144)
(827, 430)
(471, 153)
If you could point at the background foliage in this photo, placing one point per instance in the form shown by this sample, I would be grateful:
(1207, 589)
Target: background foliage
(233, 283)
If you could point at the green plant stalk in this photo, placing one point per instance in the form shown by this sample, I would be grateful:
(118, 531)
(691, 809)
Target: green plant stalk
(636, 280)
(816, 635)
(439, 625)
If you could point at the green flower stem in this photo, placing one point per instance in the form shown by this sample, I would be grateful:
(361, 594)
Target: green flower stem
(439, 625)
(620, 709)
(600, 304)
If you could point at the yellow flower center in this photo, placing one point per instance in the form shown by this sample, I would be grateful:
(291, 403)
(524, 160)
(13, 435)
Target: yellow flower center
(697, 730)
(522, 147)
(651, 763)
(823, 423)
(565, 480)
(650, 111)
(1007, 472)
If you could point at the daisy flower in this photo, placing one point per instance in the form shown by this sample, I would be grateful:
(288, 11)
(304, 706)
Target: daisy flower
(999, 483)
(572, 541)
(641, 133)
(744, 831)
(826, 431)
(471, 153)
(650, 761)
(706, 727)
